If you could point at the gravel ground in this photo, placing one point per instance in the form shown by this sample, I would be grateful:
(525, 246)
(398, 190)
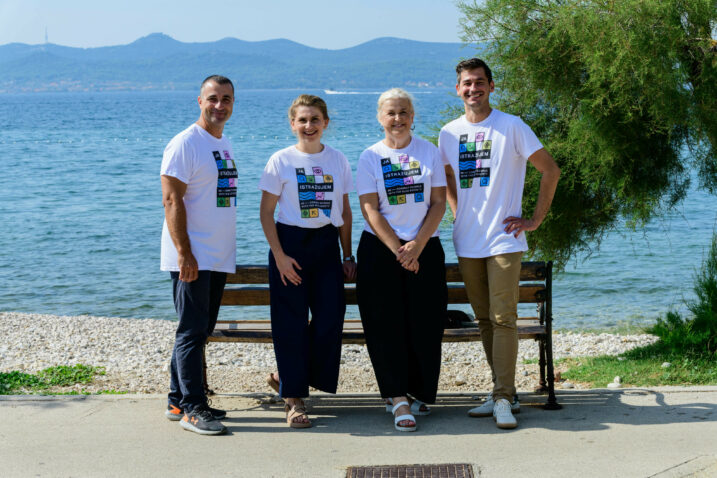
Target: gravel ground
(135, 354)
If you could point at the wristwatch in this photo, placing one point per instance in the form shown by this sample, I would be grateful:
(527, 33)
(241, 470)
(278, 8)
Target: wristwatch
(350, 259)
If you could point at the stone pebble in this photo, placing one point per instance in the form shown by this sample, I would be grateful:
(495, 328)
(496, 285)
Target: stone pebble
(136, 352)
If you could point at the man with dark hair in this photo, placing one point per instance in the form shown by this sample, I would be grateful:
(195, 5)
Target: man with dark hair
(199, 177)
(485, 153)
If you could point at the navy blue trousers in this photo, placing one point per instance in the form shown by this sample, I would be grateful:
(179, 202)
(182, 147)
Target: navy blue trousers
(308, 352)
(402, 315)
(197, 305)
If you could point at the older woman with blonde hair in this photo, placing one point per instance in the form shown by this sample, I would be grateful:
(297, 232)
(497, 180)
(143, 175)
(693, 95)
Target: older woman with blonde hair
(401, 280)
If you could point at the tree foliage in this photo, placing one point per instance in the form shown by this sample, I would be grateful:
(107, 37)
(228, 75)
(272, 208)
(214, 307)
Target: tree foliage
(623, 93)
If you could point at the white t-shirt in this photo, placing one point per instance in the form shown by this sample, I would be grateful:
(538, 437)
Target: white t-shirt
(488, 160)
(310, 187)
(206, 165)
(403, 179)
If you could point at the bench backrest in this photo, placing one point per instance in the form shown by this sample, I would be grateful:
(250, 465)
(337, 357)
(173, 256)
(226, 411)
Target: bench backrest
(254, 285)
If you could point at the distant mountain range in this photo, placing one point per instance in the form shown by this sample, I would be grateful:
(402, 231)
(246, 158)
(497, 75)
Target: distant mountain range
(160, 62)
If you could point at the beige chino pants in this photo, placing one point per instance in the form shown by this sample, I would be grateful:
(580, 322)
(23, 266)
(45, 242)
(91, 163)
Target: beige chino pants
(492, 288)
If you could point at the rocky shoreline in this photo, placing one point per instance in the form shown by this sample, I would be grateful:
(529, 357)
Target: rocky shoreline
(135, 354)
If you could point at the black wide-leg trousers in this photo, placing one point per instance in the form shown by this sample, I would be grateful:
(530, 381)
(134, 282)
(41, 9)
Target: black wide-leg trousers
(402, 315)
(308, 353)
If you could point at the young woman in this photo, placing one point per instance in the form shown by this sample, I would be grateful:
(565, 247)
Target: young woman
(310, 182)
(401, 283)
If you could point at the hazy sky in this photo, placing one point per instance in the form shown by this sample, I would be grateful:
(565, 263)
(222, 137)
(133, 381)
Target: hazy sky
(318, 23)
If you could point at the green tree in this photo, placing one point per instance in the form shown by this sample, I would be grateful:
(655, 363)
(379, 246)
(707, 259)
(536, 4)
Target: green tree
(623, 93)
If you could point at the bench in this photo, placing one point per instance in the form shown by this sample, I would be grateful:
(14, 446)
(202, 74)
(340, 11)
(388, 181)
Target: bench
(249, 286)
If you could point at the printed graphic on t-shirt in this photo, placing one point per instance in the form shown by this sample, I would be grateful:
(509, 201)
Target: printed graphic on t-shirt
(227, 182)
(312, 192)
(398, 178)
(474, 160)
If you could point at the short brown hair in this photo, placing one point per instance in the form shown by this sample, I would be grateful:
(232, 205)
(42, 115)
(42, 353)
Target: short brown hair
(472, 64)
(219, 80)
(308, 100)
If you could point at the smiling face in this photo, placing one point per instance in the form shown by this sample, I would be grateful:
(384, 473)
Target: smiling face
(396, 117)
(308, 125)
(215, 103)
(475, 89)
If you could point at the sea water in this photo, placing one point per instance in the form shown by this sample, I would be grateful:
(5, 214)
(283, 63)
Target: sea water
(81, 207)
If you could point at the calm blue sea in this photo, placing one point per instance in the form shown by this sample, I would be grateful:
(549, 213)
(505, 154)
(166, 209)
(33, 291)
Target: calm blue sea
(81, 210)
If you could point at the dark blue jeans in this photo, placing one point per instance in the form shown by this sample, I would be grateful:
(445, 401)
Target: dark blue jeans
(197, 305)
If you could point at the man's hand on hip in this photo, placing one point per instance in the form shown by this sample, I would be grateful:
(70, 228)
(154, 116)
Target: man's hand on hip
(516, 225)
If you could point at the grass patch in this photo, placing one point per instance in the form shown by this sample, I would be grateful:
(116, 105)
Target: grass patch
(689, 344)
(16, 382)
(643, 371)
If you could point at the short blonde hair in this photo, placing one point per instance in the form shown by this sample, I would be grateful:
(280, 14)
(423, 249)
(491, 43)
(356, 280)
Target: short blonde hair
(394, 94)
(308, 100)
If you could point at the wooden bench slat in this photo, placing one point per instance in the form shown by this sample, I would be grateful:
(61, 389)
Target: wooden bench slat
(353, 333)
(259, 274)
(259, 295)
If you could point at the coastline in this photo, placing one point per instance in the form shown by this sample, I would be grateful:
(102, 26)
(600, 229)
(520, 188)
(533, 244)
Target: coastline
(135, 354)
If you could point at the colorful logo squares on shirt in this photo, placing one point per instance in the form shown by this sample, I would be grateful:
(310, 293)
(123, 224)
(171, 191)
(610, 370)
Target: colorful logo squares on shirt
(386, 168)
(462, 147)
(484, 181)
(226, 155)
(466, 183)
(463, 138)
(301, 178)
(226, 202)
(313, 212)
(401, 199)
(328, 178)
(408, 180)
(319, 195)
(478, 163)
(318, 171)
(304, 213)
(392, 200)
(300, 171)
(487, 144)
(480, 136)
(395, 166)
(216, 155)
(220, 164)
(310, 178)
(327, 212)
(470, 146)
(418, 197)
(415, 164)
(403, 158)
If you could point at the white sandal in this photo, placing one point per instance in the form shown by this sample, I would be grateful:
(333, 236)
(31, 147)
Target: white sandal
(415, 407)
(400, 418)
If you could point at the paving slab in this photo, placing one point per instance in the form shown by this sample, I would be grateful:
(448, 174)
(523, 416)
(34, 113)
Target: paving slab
(665, 432)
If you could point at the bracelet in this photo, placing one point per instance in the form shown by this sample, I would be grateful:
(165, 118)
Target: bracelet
(350, 259)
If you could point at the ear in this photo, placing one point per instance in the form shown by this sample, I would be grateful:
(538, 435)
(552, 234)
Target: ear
(492, 86)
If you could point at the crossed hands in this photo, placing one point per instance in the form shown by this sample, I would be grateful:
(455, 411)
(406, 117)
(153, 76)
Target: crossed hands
(408, 255)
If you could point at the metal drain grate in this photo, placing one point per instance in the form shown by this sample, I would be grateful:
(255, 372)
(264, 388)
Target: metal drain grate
(450, 470)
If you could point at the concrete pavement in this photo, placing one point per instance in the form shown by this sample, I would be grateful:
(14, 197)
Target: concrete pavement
(662, 432)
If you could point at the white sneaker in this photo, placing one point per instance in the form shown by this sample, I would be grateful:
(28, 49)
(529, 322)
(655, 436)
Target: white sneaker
(486, 408)
(502, 416)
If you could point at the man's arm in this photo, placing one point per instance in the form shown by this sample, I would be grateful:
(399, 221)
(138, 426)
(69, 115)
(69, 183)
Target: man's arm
(543, 162)
(451, 195)
(176, 215)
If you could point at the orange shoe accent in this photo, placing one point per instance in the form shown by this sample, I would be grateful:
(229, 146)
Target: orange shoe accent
(175, 410)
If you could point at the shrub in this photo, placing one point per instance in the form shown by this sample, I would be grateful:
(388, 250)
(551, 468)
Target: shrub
(698, 334)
